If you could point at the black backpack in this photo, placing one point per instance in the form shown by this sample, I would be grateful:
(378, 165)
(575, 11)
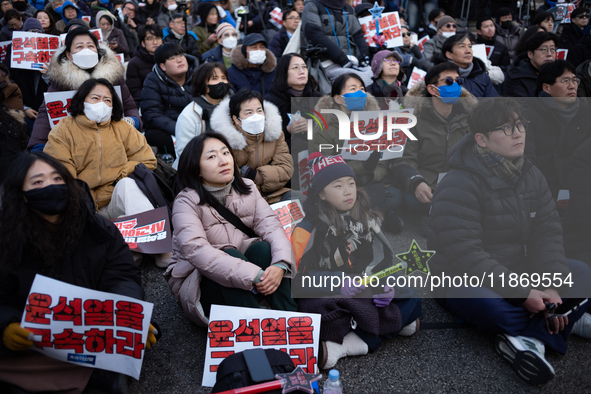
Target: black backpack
(157, 191)
(233, 372)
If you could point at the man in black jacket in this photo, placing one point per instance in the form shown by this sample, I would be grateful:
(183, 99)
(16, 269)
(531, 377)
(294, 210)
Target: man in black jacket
(573, 32)
(291, 20)
(142, 62)
(499, 55)
(493, 217)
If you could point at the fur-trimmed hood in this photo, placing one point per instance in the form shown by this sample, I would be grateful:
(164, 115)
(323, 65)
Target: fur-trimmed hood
(68, 76)
(417, 94)
(241, 62)
(221, 122)
(327, 102)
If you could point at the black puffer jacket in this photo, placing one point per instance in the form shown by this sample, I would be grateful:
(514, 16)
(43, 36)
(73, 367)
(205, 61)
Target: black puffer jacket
(580, 52)
(551, 142)
(521, 77)
(480, 225)
(571, 34)
(163, 99)
(138, 69)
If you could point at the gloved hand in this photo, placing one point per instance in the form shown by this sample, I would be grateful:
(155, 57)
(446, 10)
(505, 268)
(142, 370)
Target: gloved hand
(248, 172)
(351, 289)
(384, 299)
(353, 60)
(152, 332)
(221, 11)
(17, 338)
(372, 161)
(365, 62)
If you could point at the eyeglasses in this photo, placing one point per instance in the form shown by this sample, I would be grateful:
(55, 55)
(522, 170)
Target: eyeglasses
(567, 81)
(391, 60)
(583, 16)
(545, 50)
(179, 22)
(130, 9)
(294, 18)
(509, 129)
(303, 67)
(153, 39)
(405, 34)
(449, 25)
(450, 81)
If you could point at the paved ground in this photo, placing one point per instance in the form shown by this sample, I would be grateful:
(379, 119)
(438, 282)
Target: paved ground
(456, 360)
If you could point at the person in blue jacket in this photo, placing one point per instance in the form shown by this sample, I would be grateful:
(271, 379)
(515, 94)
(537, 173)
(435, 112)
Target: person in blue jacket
(227, 40)
(253, 65)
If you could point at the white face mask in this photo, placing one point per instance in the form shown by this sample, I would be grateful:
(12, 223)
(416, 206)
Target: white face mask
(229, 42)
(448, 34)
(85, 59)
(172, 7)
(257, 57)
(98, 112)
(254, 124)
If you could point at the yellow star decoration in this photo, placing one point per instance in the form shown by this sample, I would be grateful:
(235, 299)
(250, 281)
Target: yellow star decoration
(416, 259)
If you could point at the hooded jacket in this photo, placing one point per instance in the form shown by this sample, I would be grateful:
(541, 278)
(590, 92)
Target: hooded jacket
(481, 225)
(138, 68)
(116, 34)
(267, 152)
(99, 154)
(423, 160)
(509, 37)
(61, 24)
(550, 141)
(65, 75)
(521, 78)
(200, 236)
(254, 78)
(163, 99)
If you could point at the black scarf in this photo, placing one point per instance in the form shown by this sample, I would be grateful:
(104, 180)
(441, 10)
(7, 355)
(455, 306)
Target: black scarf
(207, 109)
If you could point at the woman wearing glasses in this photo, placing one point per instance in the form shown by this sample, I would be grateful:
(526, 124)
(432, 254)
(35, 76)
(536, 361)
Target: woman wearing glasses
(388, 75)
(411, 53)
(573, 32)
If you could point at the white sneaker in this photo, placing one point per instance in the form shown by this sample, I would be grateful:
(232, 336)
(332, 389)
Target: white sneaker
(582, 327)
(526, 356)
(162, 260)
(410, 329)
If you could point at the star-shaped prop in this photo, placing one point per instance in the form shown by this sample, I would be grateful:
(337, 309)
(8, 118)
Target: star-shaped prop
(376, 11)
(298, 380)
(416, 259)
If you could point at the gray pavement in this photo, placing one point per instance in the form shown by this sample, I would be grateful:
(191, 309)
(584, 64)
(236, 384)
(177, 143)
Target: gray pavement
(458, 360)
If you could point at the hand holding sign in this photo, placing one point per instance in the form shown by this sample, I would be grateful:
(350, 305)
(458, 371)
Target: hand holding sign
(17, 338)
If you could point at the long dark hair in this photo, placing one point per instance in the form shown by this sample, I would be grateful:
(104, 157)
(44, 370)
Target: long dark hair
(190, 168)
(21, 227)
(77, 103)
(52, 29)
(281, 73)
(203, 74)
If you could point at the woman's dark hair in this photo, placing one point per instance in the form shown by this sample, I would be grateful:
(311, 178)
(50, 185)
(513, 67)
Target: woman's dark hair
(203, 11)
(13, 14)
(166, 51)
(492, 113)
(542, 17)
(21, 228)
(189, 171)
(240, 97)
(281, 73)
(550, 71)
(522, 43)
(77, 104)
(203, 74)
(339, 84)
(80, 31)
(109, 20)
(52, 29)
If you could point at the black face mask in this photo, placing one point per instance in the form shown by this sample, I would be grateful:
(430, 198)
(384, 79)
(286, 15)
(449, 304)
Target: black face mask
(50, 200)
(506, 25)
(218, 91)
(20, 5)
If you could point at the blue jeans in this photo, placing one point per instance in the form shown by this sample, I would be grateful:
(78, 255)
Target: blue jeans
(414, 206)
(488, 311)
(394, 199)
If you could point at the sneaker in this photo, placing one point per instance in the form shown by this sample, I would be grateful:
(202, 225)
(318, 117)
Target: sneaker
(582, 327)
(410, 329)
(137, 257)
(526, 357)
(162, 260)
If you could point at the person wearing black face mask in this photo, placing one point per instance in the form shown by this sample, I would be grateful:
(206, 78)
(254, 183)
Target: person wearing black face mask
(508, 33)
(210, 86)
(48, 226)
(23, 6)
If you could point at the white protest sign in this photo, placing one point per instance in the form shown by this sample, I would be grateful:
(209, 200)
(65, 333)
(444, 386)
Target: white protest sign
(121, 57)
(561, 54)
(31, 51)
(479, 51)
(570, 8)
(416, 76)
(489, 50)
(3, 47)
(86, 327)
(389, 29)
(58, 104)
(421, 43)
(305, 176)
(289, 213)
(563, 198)
(276, 17)
(86, 18)
(97, 33)
(232, 330)
(368, 123)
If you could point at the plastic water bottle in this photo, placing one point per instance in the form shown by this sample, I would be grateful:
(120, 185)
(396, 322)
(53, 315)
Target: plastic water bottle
(167, 157)
(333, 385)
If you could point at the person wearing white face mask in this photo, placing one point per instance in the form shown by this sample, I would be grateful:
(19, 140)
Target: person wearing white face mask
(253, 65)
(80, 59)
(446, 27)
(168, 8)
(251, 127)
(94, 132)
(227, 39)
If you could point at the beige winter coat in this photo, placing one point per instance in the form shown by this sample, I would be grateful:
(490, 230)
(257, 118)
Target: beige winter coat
(267, 152)
(200, 236)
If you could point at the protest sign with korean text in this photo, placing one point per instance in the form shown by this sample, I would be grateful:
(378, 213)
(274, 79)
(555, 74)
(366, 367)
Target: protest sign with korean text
(58, 104)
(416, 76)
(290, 213)
(421, 43)
(147, 232)
(371, 123)
(96, 32)
(233, 329)
(389, 25)
(30, 51)
(561, 54)
(3, 48)
(304, 171)
(86, 327)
